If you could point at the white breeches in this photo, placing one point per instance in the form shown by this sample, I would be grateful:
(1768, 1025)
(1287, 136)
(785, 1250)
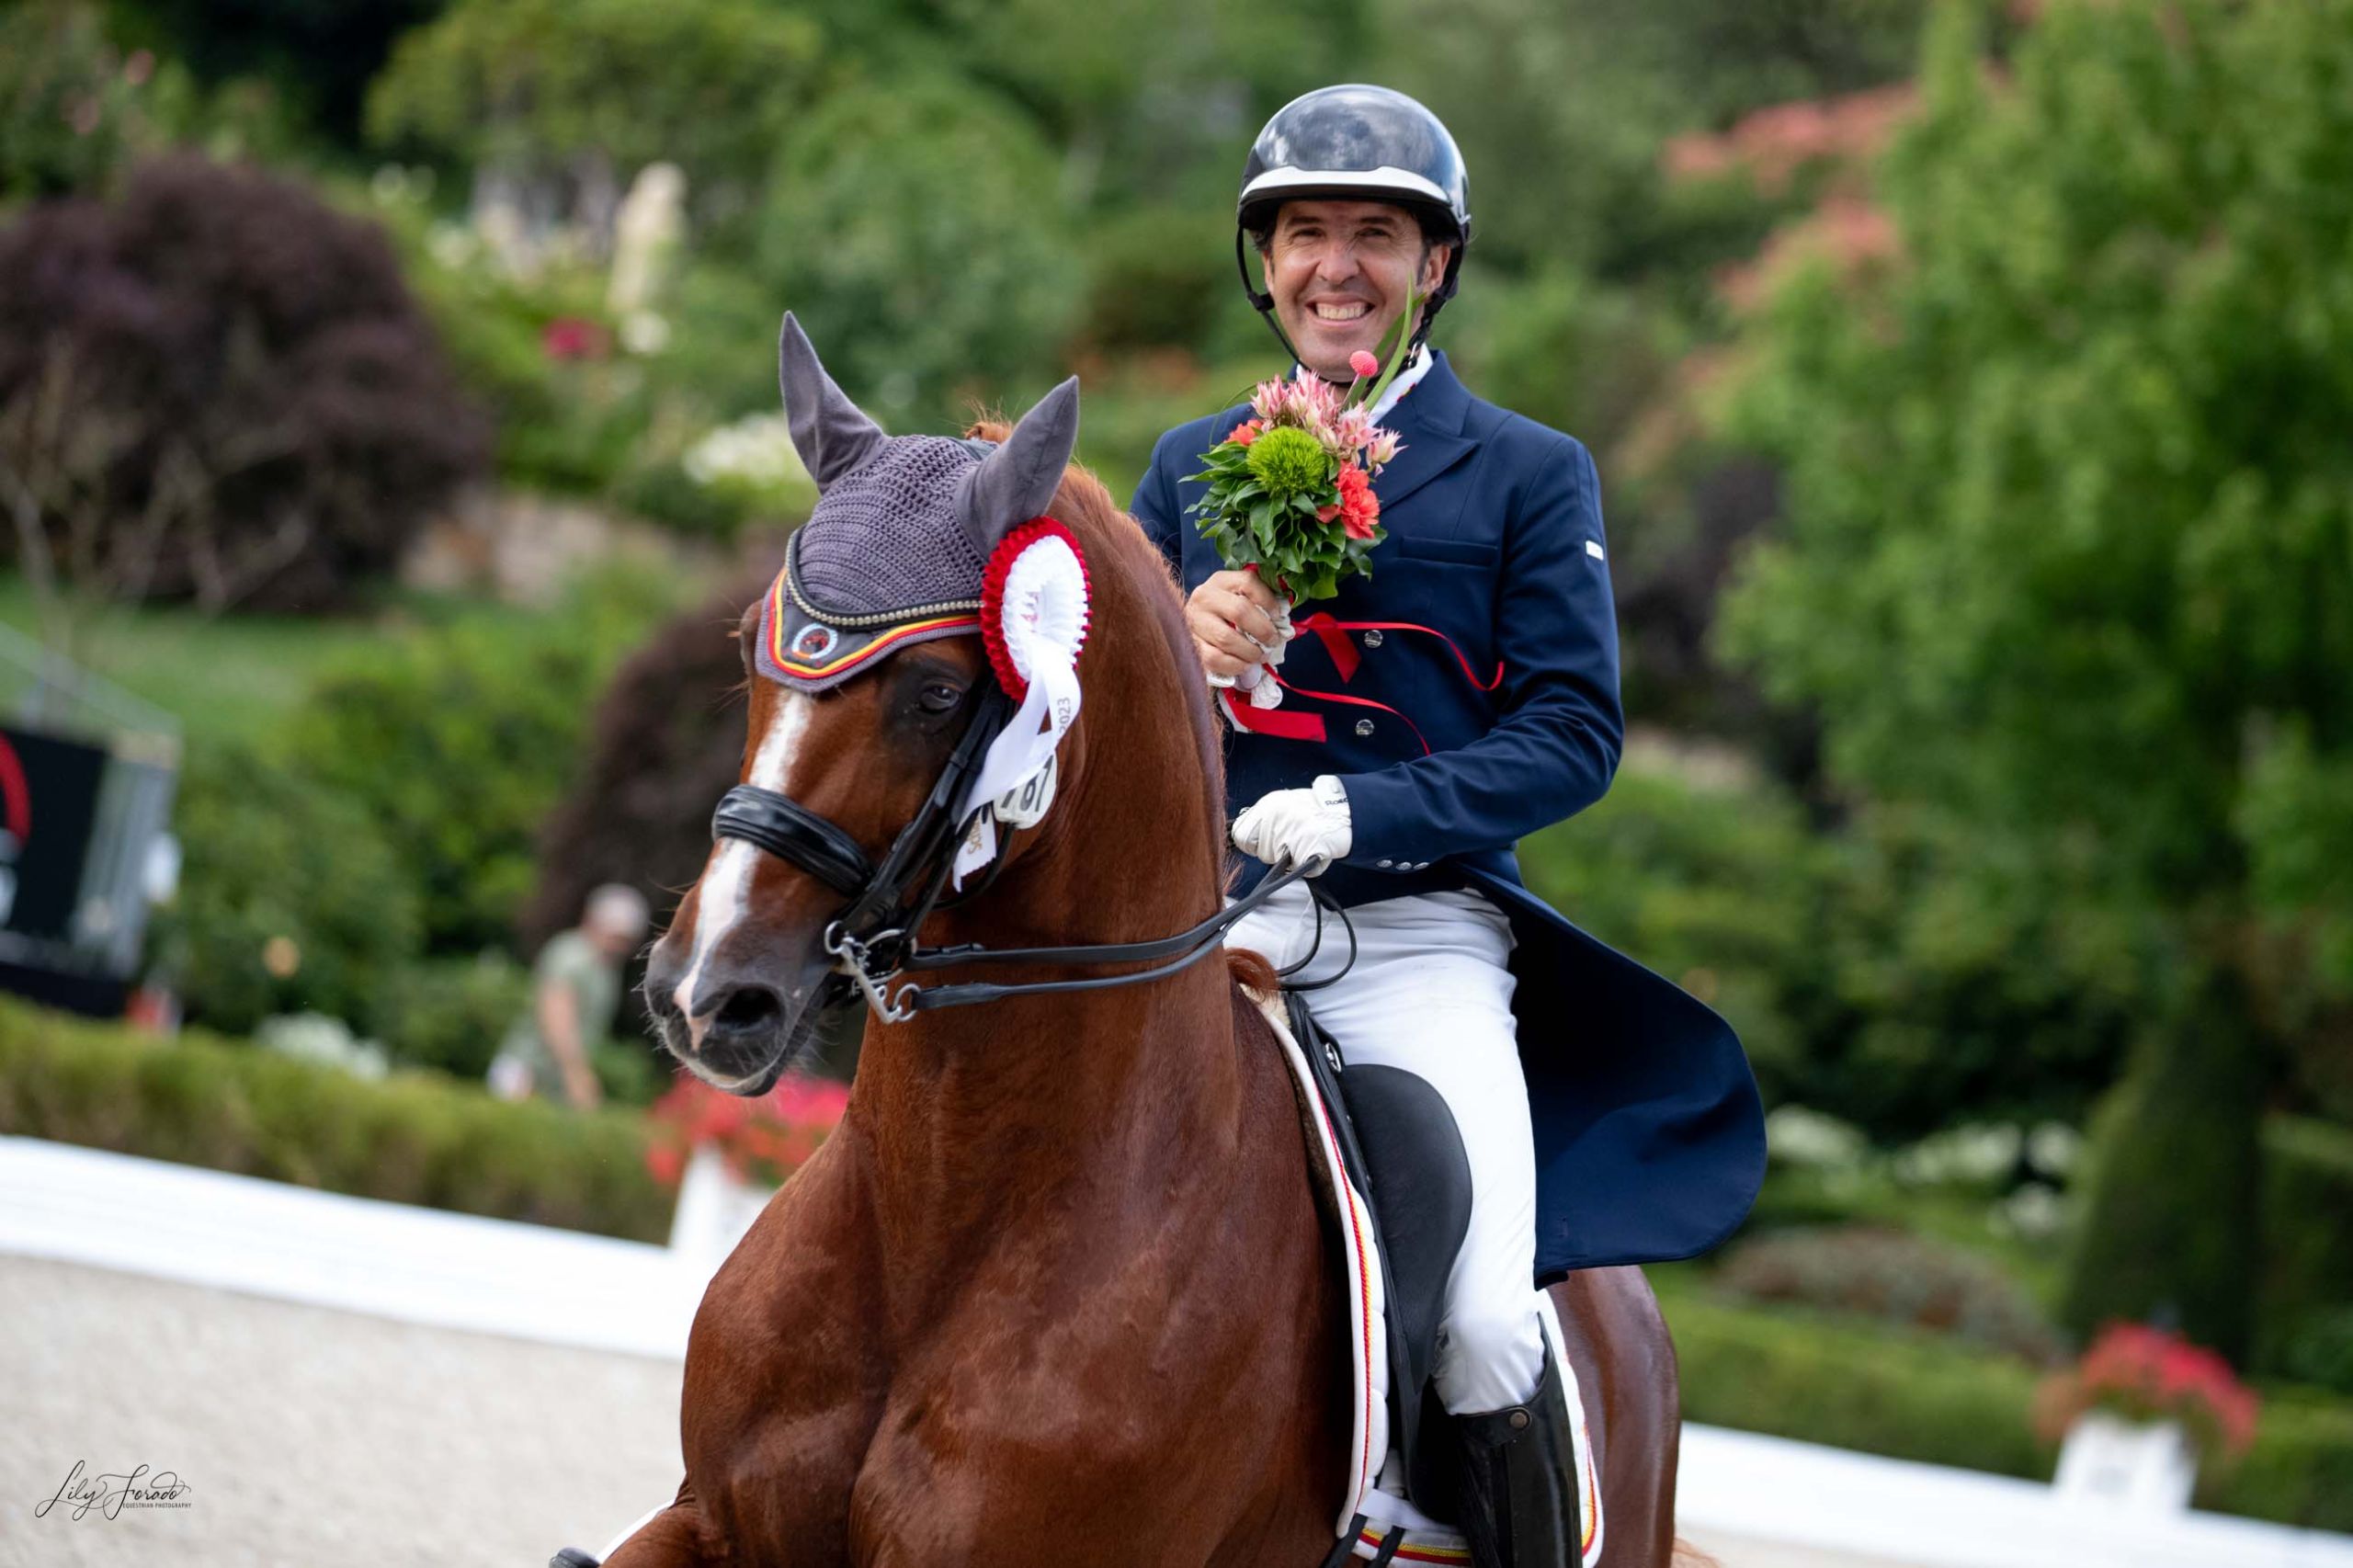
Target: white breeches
(1429, 993)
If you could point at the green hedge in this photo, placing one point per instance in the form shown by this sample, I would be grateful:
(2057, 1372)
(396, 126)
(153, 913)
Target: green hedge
(413, 1138)
(1846, 1385)
(2306, 1325)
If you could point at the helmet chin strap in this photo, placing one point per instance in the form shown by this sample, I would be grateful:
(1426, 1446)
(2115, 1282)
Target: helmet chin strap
(1263, 303)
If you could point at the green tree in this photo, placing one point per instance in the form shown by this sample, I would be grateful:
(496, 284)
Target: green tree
(2069, 547)
(595, 89)
(1562, 106)
(918, 230)
(320, 54)
(455, 743)
(291, 900)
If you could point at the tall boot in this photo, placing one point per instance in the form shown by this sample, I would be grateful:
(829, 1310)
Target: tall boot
(1519, 1488)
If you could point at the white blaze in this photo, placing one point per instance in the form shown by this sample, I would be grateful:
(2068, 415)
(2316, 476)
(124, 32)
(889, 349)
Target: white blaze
(726, 892)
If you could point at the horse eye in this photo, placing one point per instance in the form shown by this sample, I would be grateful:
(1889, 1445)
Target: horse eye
(940, 699)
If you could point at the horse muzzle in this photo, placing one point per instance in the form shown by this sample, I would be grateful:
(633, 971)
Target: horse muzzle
(747, 1019)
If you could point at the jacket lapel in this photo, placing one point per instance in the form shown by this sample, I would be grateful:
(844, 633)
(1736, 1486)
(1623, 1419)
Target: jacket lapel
(1428, 420)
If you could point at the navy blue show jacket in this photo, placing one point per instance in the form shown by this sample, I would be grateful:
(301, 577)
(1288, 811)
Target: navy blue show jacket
(1650, 1141)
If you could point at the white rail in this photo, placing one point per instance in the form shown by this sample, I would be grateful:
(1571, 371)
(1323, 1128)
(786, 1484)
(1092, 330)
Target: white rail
(564, 1287)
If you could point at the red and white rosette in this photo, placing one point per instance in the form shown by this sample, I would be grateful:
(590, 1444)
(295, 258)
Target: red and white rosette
(1033, 623)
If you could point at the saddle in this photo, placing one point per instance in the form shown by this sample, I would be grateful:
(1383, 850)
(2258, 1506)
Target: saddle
(1389, 1123)
(1401, 1157)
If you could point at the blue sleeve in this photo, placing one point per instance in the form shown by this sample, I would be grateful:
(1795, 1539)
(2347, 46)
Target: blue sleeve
(1155, 509)
(1555, 747)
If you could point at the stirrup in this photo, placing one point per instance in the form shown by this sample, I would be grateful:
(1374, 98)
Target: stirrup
(1519, 1484)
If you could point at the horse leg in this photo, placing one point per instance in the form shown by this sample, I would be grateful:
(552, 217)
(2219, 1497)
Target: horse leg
(1625, 1362)
(676, 1537)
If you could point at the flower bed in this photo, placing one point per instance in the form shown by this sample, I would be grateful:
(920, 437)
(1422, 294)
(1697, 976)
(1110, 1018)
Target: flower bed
(2146, 1374)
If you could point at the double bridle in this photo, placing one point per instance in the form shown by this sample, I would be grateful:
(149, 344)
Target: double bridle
(872, 940)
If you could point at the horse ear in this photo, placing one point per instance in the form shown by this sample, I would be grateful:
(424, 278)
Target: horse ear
(1018, 481)
(832, 434)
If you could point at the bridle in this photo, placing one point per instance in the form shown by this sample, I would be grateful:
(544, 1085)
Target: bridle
(872, 939)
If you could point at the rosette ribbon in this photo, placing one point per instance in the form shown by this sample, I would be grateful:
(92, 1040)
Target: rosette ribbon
(1033, 623)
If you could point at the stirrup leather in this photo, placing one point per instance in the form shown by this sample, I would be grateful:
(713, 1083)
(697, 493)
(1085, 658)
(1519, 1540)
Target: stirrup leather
(1519, 1484)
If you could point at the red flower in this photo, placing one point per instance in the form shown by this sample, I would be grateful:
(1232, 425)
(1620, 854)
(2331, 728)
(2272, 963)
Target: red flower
(1359, 508)
(763, 1139)
(2147, 1374)
(1363, 364)
(570, 337)
(1246, 432)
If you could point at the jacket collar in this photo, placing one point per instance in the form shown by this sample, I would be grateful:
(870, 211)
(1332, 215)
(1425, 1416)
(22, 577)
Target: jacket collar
(1428, 420)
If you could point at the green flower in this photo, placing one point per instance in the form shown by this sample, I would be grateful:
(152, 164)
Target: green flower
(1290, 462)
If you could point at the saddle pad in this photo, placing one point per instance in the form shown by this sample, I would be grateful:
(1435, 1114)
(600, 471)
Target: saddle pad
(1371, 1508)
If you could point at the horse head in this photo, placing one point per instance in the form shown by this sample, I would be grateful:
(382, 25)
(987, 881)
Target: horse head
(870, 683)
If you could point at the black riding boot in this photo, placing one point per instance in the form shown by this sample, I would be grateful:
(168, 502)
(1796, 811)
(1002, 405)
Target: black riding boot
(1519, 1492)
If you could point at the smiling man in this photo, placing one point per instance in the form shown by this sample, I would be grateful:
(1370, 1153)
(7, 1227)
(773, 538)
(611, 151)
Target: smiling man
(1461, 695)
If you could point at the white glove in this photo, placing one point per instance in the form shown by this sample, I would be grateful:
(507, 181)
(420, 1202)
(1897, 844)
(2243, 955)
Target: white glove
(1297, 824)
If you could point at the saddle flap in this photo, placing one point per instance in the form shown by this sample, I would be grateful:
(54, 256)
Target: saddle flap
(1420, 1189)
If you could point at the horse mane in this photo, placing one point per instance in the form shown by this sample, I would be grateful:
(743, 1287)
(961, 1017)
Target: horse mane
(1112, 537)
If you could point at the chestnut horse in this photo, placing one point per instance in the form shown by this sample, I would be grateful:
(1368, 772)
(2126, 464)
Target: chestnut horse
(1056, 1291)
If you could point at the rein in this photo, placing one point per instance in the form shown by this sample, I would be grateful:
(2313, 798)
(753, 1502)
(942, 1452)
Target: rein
(872, 940)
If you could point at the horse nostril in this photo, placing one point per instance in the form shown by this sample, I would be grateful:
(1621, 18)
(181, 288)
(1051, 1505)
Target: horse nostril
(749, 1007)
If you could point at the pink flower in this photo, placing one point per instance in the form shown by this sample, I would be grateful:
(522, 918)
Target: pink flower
(1310, 402)
(570, 337)
(1350, 431)
(1364, 364)
(1382, 451)
(1266, 401)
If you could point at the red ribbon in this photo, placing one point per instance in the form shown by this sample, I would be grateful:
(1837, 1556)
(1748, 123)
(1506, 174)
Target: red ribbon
(1272, 721)
(1334, 634)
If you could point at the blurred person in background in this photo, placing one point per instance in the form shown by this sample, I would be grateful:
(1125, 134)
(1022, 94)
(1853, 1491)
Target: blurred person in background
(576, 990)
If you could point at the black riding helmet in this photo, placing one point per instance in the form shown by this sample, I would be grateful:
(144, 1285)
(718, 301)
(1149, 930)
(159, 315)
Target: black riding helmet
(1356, 143)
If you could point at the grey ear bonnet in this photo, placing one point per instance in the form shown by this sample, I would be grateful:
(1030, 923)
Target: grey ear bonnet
(904, 525)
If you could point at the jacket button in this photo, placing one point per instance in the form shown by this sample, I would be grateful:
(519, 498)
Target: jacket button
(1372, 639)
(1364, 726)
(1386, 865)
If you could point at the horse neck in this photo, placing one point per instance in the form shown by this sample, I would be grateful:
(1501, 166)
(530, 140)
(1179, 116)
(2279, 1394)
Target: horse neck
(974, 1113)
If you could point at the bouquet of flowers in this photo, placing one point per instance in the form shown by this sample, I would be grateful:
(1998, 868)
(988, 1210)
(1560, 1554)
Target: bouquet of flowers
(2146, 1374)
(1290, 490)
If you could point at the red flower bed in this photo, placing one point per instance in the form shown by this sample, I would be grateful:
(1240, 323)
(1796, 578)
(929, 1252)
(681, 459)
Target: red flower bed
(763, 1140)
(2146, 1374)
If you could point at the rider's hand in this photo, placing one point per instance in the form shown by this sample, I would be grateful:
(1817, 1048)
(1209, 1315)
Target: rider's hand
(1231, 617)
(1297, 824)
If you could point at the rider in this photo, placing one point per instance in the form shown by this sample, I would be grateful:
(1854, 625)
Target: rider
(1416, 783)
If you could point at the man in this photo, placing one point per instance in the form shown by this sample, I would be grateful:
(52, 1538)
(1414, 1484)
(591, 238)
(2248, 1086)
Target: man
(576, 986)
(1646, 1139)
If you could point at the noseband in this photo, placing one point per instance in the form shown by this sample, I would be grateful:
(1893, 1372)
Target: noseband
(872, 940)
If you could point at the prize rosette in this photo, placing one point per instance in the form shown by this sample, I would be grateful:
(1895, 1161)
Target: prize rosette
(1034, 613)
